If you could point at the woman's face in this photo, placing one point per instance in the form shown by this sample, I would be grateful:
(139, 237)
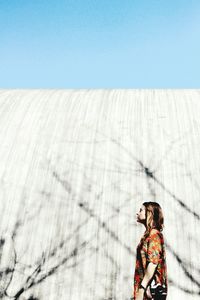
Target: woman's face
(140, 216)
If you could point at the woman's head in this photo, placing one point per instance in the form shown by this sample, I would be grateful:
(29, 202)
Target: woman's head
(151, 216)
(154, 216)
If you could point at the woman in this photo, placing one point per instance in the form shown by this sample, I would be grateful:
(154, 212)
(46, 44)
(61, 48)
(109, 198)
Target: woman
(150, 279)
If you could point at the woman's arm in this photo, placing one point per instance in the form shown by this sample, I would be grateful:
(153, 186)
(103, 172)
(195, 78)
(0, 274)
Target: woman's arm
(154, 251)
(147, 277)
(148, 274)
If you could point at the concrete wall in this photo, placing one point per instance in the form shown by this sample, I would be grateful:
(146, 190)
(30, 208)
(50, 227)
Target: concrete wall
(75, 167)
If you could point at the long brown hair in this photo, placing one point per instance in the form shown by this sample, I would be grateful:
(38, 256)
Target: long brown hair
(154, 217)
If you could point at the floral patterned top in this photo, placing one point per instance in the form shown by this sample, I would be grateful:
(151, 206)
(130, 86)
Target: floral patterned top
(151, 250)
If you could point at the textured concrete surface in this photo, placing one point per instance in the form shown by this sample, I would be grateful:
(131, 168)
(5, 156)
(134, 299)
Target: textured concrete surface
(75, 166)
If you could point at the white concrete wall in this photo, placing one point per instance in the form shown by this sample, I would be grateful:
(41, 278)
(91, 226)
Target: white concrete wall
(75, 166)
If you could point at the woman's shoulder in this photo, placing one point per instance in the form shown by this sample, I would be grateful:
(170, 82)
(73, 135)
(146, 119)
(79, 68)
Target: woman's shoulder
(155, 233)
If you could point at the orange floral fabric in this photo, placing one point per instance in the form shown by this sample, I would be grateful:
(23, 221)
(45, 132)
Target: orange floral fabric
(151, 250)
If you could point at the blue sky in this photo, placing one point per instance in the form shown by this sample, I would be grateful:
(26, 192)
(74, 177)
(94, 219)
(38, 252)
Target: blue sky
(99, 44)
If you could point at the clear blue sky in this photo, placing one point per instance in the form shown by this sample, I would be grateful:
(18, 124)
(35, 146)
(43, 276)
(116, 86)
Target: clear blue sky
(99, 44)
